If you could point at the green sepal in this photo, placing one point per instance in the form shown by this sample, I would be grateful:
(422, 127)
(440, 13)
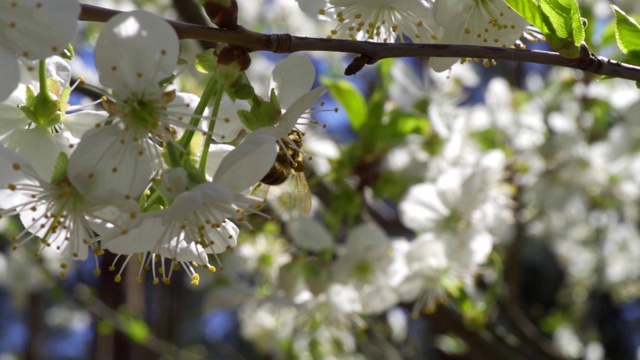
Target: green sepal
(206, 62)
(228, 74)
(60, 168)
(194, 174)
(68, 53)
(64, 99)
(41, 109)
(247, 118)
(166, 81)
(30, 96)
(263, 113)
(241, 88)
(275, 104)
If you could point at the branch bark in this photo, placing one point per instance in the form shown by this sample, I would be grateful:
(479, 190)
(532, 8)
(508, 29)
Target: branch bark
(370, 52)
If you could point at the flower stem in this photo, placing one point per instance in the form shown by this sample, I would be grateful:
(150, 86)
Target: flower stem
(174, 155)
(207, 140)
(207, 94)
(42, 77)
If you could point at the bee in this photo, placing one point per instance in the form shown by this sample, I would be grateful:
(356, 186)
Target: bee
(289, 163)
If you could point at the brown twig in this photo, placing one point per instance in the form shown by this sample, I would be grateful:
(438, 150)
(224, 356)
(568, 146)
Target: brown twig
(526, 332)
(482, 344)
(102, 311)
(371, 52)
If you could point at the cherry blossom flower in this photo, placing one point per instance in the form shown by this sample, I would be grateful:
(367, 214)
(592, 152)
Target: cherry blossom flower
(40, 134)
(55, 212)
(291, 81)
(136, 54)
(376, 20)
(197, 222)
(455, 218)
(473, 22)
(363, 274)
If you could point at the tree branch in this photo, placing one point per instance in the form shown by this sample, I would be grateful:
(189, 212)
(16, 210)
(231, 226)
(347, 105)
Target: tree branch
(191, 12)
(370, 52)
(528, 334)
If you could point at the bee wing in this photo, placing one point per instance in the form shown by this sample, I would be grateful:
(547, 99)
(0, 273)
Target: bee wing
(301, 194)
(260, 191)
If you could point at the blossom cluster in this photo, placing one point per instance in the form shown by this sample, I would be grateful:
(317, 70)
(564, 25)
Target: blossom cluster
(131, 179)
(500, 175)
(486, 23)
(167, 178)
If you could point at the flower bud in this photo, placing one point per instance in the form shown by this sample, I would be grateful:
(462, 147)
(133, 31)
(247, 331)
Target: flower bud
(234, 54)
(223, 13)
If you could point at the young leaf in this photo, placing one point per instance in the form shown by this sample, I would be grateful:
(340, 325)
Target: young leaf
(562, 17)
(351, 99)
(627, 35)
(530, 10)
(559, 21)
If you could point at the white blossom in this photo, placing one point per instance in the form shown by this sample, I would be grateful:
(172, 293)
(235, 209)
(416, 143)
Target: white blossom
(363, 274)
(474, 22)
(197, 221)
(41, 137)
(291, 80)
(377, 20)
(136, 54)
(54, 212)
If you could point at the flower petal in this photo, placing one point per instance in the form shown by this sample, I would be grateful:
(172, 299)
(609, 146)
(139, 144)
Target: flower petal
(149, 235)
(9, 73)
(182, 251)
(14, 169)
(289, 119)
(80, 122)
(12, 117)
(38, 28)
(217, 153)
(308, 234)
(292, 77)
(135, 51)
(245, 165)
(228, 125)
(39, 146)
(108, 165)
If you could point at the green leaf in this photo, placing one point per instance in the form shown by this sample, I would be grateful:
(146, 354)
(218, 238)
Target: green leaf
(627, 35)
(559, 21)
(562, 18)
(104, 328)
(491, 138)
(529, 9)
(137, 330)
(391, 186)
(351, 100)
(405, 124)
